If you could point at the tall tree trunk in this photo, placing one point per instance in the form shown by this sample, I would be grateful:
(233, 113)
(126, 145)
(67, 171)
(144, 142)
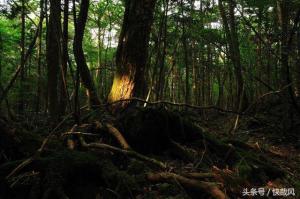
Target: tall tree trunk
(232, 36)
(53, 56)
(132, 52)
(161, 79)
(39, 60)
(1, 57)
(186, 57)
(64, 64)
(99, 53)
(298, 64)
(157, 67)
(286, 46)
(284, 21)
(45, 94)
(259, 61)
(22, 44)
(86, 78)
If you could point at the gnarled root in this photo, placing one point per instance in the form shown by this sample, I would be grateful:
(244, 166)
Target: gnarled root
(129, 153)
(208, 187)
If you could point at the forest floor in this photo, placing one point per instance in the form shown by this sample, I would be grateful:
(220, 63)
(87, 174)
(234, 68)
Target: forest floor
(165, 153)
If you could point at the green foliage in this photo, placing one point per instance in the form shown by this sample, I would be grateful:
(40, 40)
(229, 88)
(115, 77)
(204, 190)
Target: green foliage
(10, 35)
(260, 3)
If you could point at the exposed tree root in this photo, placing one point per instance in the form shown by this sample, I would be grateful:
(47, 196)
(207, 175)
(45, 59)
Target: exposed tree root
(196, 175)
(182, 152)
(119, 137)
(123, 143)
(208, 187)
(129, 153)
(161, 129)
(107, 127)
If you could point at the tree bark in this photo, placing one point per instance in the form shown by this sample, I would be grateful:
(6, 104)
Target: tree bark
(161, 79)
(64, 64)
(132, 51)
(86, 78)
(284, 21)
(298, 64)
(53, 56)
(232, 36)
(22, 44)
(1, 58)
(186, 57)
(39, 60)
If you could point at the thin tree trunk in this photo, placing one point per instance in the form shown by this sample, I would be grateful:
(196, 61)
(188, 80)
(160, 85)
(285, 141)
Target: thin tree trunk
(298, 64)
(164, 51)
(39, 59)
(284, 21)
(64, 64)
(86, 78)
(47, 27)
(186, 58)
(53, 57)
(232, 36)
(1, 58)
(22, 44)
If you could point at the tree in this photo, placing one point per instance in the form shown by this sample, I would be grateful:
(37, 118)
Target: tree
(132, 51)
(39, 59)
(65, 57)
(83, 69)
(186, 57)
(53, 56)
(234, 50)
(22, 44)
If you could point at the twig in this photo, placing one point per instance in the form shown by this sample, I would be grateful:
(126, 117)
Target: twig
(79, 133)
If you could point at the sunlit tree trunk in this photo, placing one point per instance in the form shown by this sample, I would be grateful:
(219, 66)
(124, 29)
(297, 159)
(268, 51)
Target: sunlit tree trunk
(132, 51)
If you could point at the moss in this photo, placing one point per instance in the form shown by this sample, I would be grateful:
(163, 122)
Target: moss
(136, 167)
(297, 187)
(168, 189)
(244, 169)
(78, 174)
